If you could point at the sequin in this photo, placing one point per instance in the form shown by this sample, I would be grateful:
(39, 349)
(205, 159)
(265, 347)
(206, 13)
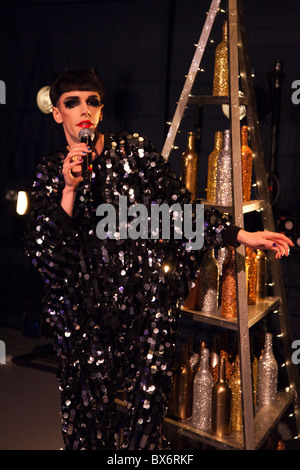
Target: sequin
(113, 305)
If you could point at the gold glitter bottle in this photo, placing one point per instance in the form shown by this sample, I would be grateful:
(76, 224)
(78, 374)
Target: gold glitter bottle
(221, 403)
(189, 166)
(212, 167)
(228, 297)
(236, 398)
(220, 85)
(261, 272)
(247, 161)
(251, 269)
(208, 285)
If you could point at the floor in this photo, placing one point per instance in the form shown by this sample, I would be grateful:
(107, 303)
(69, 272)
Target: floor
(29, 399)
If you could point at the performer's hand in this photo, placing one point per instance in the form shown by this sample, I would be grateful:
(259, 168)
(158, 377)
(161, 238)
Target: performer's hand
(72, 172)
(266, 240)
(72, 169)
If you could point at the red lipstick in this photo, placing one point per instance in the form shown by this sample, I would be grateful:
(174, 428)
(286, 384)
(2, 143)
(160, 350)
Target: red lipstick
(86, 123)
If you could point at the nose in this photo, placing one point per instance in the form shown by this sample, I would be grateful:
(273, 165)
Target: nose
(85, 109)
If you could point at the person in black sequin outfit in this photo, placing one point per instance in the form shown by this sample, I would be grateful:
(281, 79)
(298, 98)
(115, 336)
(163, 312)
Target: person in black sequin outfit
(113, 304)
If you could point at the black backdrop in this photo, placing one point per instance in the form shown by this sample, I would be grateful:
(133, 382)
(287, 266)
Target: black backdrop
(142, 50)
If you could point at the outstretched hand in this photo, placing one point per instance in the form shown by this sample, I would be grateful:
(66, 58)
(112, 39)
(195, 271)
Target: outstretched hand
(266, 240)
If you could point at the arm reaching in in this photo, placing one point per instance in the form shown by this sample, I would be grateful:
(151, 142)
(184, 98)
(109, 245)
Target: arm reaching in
(266, 240)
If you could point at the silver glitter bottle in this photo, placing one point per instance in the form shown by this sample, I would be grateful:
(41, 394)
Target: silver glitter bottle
(202, 390)
(208, 285)
(224, 173)
(267, 375)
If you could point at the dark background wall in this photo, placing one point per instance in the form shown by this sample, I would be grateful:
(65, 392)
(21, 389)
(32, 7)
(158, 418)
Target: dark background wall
(142, 50)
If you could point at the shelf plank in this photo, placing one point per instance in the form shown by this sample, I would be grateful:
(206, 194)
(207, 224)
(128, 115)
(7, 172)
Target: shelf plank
(264, 422)
(213, 100)
(250, 206)
(255, 313)
(268, 417)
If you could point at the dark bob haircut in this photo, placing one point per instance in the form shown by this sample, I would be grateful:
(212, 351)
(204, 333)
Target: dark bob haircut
(76, 80)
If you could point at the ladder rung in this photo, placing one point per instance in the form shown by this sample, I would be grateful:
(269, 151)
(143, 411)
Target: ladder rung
(216, 100)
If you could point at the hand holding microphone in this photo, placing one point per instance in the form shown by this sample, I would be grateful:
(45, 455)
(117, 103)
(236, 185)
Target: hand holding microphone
(86, 136)
(77, 166)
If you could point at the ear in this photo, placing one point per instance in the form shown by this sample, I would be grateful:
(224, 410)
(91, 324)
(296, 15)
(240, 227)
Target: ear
(101, 113)
(56, 115)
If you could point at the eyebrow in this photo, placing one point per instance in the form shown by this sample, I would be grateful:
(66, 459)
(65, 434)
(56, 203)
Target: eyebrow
(78, 98)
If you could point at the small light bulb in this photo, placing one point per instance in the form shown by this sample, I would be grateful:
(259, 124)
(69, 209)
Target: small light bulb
(22, 202)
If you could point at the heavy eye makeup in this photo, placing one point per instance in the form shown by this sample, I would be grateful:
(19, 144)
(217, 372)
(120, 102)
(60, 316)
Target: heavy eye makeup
(71, 102)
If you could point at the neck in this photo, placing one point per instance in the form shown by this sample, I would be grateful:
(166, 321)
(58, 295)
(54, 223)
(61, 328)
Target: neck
(97, 147)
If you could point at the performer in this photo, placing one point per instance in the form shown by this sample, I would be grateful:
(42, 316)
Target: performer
(113, 303)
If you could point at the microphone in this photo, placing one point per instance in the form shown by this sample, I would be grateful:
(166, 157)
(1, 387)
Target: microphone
(86, 135)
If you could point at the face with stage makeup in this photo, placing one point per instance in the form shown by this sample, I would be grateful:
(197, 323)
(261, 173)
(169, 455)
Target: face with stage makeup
(76, 110)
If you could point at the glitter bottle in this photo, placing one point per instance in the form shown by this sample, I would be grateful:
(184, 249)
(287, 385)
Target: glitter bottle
(229, 368)
(220, 85)
(208, 285)
(228, 297)
(267, 375)
(196, 366)
(212, 167)
(251, 269)
(183, 386)
(221, 255)
(189, 166)
(247, 161)
(221, 403)
(261, 272)
(236, 398)
(202, 393)
(224, 173)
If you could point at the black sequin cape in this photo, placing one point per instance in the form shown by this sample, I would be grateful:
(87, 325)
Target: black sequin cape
(112, 303)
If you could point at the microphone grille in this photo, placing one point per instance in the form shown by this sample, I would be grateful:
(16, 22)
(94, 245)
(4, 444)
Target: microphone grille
(86, 132)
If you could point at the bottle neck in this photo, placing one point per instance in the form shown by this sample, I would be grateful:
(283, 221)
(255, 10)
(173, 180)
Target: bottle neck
(226, 140)
(218, 140)
(222, 370)
(237, 366)
(225, 31)
(191, 141)
(244, 136)
(210, 254)
(204, 359)
(268, 343)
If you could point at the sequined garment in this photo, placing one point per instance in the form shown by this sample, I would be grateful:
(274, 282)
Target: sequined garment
(111, 303)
